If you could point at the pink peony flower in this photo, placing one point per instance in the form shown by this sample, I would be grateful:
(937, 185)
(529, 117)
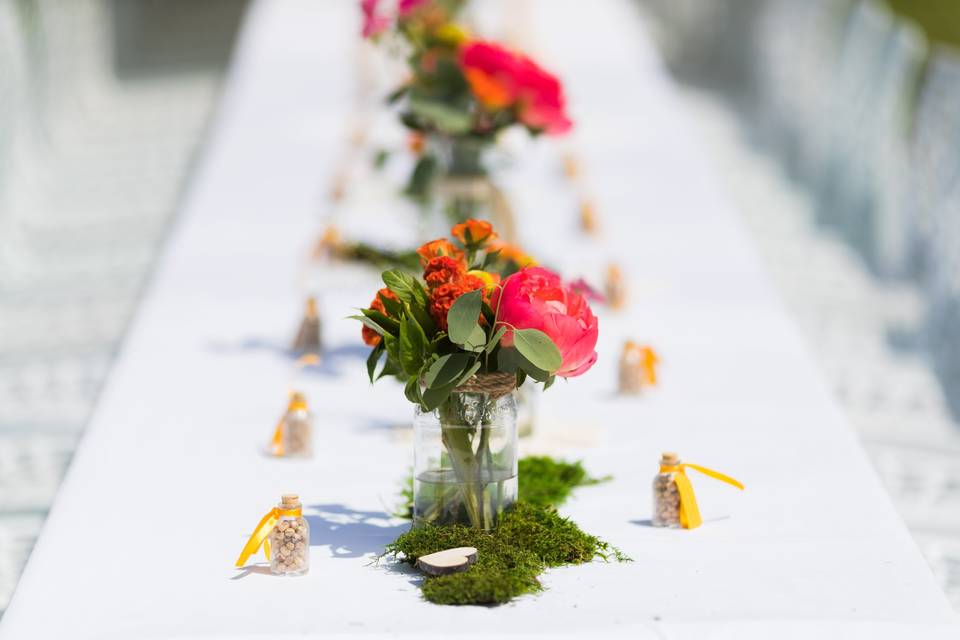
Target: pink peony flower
(542, 105)
(500, 78)
(407, 6)
(373, 23)
(535, 298)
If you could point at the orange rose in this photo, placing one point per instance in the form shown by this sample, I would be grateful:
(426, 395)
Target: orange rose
(489, 91)
(474, 233)
(436, 248)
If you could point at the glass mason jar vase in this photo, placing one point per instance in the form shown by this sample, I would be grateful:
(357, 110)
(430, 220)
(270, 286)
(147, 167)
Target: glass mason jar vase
(527, 398)
(465, 460)
(462, 188)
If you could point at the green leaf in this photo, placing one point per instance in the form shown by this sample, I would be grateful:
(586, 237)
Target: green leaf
(397, 93)
(394, 307)
(413, 345)
(538, 349)
(369, 323)
(468, 374)
(549, 382)
(373, 359)
(434, 397)
(418, 186)
(447, 370)
(511, 360)
(521, 378)
(392, 345)
(390, 368)
(495, 340)
(411, 292)
(402, 284)
(380, 158)
(462, 317)
(443, 116)
(490, 259)
(412, 390)
(477, 339)
(389, 325)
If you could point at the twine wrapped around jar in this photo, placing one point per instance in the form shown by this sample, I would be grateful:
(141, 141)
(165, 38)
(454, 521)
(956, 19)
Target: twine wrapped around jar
(495, 385)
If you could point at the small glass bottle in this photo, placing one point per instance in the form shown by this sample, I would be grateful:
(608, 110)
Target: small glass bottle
(297, 428)
(290, 539)
(308, 340)
(666, 497)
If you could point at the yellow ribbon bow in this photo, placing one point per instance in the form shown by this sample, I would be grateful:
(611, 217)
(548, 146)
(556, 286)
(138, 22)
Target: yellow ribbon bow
(259, 536)
(689, 511)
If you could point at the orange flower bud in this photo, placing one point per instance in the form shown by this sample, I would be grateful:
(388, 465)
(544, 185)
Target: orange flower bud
(474, 233)
(436, 248)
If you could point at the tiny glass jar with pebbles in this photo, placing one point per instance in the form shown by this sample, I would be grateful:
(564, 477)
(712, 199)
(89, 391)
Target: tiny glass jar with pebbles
(666, 496)
(290, 540)
(294, 434)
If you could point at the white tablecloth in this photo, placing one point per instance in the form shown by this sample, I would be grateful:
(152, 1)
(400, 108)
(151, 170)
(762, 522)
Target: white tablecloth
(171, 477)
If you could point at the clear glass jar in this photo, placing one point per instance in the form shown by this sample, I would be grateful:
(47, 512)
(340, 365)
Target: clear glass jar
(462, 188)
(309, 337)
(527, 398)
(297, 429)
(465, 460)
(666, 496)
(290, 540)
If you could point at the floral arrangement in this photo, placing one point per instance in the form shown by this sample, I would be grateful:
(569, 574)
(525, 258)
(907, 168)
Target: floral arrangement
(482, 320)
(461, 91)
(477, 311)
(460, 85)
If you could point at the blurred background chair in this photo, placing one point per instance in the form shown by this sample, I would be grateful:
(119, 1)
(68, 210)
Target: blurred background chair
(842, 118)
(103, 104)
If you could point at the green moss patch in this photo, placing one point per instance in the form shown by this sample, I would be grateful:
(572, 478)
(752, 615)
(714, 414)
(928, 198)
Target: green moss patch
(547, 481)
(529, 539)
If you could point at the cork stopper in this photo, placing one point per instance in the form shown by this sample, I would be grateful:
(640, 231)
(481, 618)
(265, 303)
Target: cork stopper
(669, 458)
(297, 397)
(290, 500)
(311, 308)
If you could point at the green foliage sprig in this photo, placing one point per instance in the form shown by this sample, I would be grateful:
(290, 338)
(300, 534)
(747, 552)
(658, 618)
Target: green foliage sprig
(431, 362)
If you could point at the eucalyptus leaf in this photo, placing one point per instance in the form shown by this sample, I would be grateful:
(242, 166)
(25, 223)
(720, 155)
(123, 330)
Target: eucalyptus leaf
(447, 370)
(468, 373)
(462, 317)
(538, 349)
(477, 339)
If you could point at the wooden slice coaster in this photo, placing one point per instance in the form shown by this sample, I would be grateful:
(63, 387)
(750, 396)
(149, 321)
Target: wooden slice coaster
(448, 561)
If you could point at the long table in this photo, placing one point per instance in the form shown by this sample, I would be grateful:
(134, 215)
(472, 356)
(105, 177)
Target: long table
(171, 475)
